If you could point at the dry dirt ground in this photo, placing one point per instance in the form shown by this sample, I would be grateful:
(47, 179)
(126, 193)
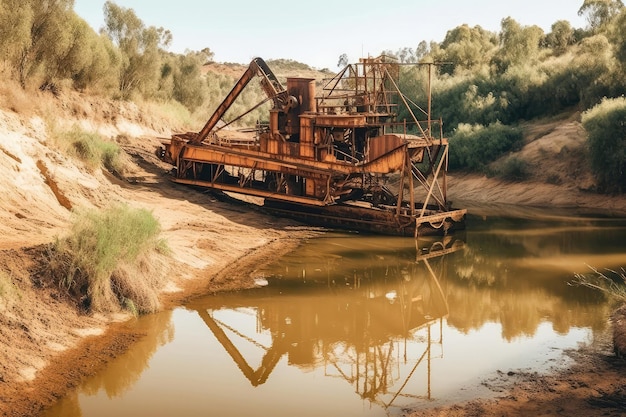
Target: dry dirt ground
(47, 346)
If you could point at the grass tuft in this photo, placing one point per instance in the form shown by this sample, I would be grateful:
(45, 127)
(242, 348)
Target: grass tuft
(92, 149)
(513, 169)
(609, 282)
(109, 260)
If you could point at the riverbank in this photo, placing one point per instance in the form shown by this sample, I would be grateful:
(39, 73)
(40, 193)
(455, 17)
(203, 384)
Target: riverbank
(84, 344)
(47, 344)
(593, 385)
(215, 246)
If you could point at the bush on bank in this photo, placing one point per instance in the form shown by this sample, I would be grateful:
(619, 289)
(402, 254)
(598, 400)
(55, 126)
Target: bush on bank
(606, 128)
(92, 149)
(472, 147)
(109, 260)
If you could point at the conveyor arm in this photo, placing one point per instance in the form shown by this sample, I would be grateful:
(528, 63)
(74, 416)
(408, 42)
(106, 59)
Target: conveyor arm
(269, 83)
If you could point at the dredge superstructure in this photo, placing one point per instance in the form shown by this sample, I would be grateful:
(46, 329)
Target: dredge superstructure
(340, 159)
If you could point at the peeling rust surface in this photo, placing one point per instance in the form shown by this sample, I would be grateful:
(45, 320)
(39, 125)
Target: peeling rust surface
(339, 159)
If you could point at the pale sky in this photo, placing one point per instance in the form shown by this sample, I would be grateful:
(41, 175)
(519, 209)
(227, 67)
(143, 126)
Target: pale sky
(318, 32)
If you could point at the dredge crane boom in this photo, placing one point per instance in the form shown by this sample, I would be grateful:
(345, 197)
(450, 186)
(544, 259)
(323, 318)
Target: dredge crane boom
(327, 159)
(270, 84)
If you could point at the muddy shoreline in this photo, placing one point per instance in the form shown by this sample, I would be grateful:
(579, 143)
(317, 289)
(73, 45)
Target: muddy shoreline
(69, 368)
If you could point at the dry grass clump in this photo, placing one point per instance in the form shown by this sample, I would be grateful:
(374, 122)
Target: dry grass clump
(172, 113)
(93, 150)
(14, 97)
(612, 283)
(110, 260)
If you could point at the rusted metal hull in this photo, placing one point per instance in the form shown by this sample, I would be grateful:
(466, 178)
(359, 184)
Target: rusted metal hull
(330, 160)
(352, 217)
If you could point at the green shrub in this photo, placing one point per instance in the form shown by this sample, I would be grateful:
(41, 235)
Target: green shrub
(606, 128)
(219, 85)
(472, 147)
(513, 169)
(93, 150)
(105, 261)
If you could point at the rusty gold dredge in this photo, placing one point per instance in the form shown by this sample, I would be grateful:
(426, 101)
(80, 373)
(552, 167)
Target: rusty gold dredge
(339, 160)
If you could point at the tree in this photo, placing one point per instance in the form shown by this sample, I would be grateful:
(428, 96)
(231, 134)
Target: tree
(139, 47)
(16, 18)
(607, 143)
(561, 37)
(72, 52)
(421, 51)
(468, 48)
(343, 60)
(592, 68)
(189, 87)
(619, 39)
(518, 44)
(102, 71)
(205, 55)
(34, 33)
(600, 12)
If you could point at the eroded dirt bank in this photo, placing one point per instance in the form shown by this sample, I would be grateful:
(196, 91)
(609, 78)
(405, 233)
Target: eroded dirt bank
(47, 345)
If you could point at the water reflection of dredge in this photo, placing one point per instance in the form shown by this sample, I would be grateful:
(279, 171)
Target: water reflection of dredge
(375, 332)
(327, 159)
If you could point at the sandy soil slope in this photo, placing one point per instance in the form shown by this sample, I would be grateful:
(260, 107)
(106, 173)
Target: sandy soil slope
(46, 344)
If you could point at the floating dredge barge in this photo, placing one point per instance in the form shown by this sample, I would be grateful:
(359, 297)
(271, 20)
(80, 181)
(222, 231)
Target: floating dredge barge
(332, 160)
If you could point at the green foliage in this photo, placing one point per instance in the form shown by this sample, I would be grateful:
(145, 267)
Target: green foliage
(47, 42)
(219, 85)
(593, 69)
(35, 33)
(467, 48)
(473, 147)
(189, 87)
(47, 45)
(606, 126)
(600, 12)
(619, 40)
(100, 74)
(93, 150)
(16, 17)
(470, 99)
(513, 169)
(90, 261)
(518, 45)
(278, 65)
(407, 55)
(580, 77)
(140, 68)
(561, 37)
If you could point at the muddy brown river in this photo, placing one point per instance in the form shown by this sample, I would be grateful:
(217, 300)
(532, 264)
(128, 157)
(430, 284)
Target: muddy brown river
(352, 325)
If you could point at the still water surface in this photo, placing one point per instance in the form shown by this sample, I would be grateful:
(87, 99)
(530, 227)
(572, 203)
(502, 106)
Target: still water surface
(352, 325)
